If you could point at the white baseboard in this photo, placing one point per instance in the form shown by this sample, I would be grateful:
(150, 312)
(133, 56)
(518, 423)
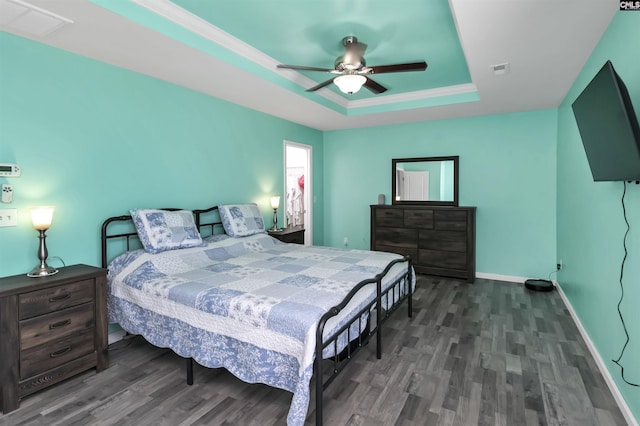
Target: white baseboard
(499, 277)
(622, 404)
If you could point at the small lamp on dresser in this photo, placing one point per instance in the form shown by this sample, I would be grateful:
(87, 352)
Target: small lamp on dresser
(41, 218)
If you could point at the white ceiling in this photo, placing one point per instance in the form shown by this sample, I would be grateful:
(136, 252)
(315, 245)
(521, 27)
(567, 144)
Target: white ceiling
(546, 43)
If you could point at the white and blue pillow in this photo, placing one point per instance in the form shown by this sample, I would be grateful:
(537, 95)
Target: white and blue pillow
(241, 220)
(162, 230)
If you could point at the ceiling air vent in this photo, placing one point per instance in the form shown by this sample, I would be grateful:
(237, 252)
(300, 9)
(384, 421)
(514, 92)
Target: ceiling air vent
(26, 18)
(500, 69)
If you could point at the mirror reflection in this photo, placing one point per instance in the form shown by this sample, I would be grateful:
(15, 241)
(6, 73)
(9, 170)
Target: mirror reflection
(427, 180)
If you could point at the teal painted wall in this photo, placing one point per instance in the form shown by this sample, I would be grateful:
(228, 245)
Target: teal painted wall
(507, 170)
(591, 225)
(95, 140)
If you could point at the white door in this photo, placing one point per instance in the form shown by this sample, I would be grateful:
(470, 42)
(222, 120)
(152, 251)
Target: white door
(415, 186)
(298, 188)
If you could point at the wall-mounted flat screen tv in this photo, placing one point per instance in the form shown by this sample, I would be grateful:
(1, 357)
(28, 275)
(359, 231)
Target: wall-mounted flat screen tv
(609, 127)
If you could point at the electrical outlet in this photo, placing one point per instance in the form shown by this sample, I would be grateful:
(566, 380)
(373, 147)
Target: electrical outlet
(345, 241)
(8, 217)
(559, 265)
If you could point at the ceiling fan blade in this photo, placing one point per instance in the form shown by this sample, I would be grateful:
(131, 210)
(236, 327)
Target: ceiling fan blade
(376, 88)
(303, 68)
(321, 85)
(411, 66)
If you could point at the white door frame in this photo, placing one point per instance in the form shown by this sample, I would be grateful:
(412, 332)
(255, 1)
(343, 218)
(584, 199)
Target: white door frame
(308, 187)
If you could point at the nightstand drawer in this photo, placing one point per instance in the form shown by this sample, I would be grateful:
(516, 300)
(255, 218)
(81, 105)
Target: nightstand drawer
(55, 298)
(53, 354)
(45, 328)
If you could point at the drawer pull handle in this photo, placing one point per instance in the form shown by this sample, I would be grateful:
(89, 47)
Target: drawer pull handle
(59, 324)
(60, 352)
(64, 296)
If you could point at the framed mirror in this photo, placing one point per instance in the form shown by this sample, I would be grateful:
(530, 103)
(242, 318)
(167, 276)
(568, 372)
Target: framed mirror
(426, 180)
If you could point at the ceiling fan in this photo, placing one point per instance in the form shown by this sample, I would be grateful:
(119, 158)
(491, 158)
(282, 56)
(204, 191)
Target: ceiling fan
(352, 71)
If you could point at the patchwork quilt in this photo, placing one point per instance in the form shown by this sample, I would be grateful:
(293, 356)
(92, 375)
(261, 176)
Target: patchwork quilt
(250, 304)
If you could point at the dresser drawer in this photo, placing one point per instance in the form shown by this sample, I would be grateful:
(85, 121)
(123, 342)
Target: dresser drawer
(451, 215)
(414, 218)
(53, 354)
(397, 237)
(52, 299)
(440, 245)
(451, 220)
(56, 325)
(442, 259)
(389, 217)
(443, 240)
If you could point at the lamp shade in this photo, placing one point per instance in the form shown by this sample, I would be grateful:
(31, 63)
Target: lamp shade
(41, 217)
(350, 83)
(275, 202)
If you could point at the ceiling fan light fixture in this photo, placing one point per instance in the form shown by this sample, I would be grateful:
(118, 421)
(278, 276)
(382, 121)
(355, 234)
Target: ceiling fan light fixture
(350, 83)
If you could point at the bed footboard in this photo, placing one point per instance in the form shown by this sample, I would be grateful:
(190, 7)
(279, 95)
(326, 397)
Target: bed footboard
(394, 294)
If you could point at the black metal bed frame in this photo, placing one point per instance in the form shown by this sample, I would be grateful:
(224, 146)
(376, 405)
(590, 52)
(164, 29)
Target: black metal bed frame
(395, 293)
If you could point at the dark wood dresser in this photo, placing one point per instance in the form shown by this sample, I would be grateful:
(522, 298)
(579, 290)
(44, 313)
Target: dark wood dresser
(293, 234)
(439, 240)
(51, 328)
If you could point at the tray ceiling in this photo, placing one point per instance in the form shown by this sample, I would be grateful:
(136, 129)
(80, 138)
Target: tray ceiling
(230, 49)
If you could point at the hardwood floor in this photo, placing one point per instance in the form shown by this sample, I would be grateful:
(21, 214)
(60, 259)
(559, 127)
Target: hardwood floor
(491, 353)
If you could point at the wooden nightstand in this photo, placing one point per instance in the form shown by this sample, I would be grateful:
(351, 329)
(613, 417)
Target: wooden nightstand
(51, 328)
(293, 234)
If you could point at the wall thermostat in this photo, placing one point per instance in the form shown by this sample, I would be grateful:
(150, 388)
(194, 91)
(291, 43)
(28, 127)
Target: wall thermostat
(9, 170)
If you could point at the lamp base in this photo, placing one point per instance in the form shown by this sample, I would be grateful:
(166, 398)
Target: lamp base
(42, 271)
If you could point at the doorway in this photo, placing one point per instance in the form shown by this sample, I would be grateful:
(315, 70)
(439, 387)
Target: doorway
(298, 188)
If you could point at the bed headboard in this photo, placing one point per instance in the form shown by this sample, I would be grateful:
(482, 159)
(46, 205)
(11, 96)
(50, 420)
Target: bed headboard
(121, 228)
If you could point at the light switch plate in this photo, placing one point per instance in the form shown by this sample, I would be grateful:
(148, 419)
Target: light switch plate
(8, 217)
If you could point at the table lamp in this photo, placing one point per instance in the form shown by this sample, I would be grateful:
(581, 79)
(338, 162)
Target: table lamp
(275, 202)
(41, 219)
